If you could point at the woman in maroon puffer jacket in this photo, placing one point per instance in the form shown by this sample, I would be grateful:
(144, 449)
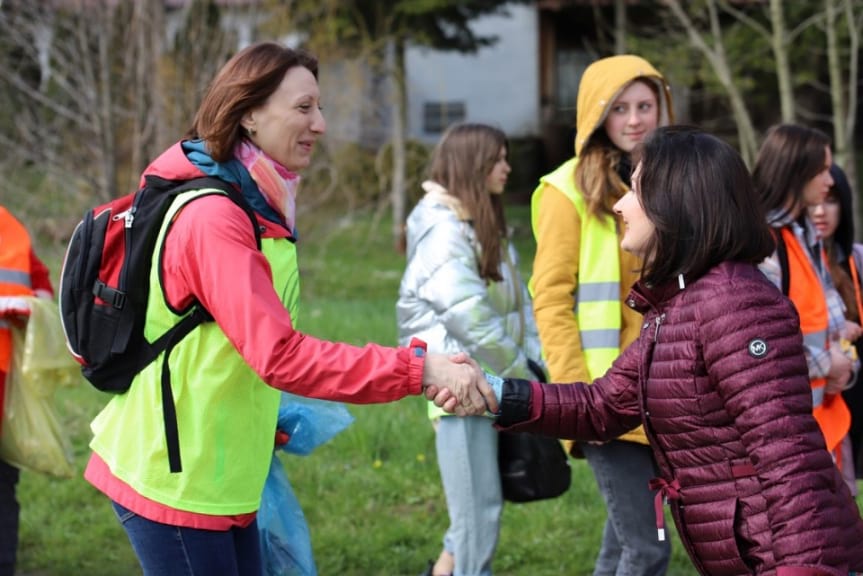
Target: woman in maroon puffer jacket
(717, 377)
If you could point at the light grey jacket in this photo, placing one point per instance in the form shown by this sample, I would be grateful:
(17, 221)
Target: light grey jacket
(443, 300)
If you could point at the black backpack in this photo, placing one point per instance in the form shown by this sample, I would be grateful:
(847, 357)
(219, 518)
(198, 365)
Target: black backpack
(104, 286)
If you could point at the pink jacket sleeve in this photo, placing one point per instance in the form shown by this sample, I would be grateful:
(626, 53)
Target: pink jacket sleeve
(210, 255)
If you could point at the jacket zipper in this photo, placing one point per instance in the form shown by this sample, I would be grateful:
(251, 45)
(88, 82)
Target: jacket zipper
(677, 515)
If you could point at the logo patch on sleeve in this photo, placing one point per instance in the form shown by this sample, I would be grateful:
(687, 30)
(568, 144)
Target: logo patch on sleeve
(757, 348)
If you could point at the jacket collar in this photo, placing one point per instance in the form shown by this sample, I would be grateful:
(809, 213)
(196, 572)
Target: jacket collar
(643, 297)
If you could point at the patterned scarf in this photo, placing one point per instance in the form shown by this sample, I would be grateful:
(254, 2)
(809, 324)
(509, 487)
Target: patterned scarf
(277, 183)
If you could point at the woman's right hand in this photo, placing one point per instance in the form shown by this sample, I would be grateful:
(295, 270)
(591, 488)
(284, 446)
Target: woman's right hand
(852, 331)
(457, 384)
(841, 368)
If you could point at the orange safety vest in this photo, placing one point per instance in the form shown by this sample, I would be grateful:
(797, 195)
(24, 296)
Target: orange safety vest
(15, 251)
(807, 293)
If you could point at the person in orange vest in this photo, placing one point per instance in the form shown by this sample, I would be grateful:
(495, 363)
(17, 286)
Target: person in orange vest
(21, 274)
(834, 221)
(792, 172)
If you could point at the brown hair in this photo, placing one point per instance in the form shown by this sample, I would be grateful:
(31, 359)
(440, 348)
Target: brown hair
(461, 162)
(596, 174)
(697, 192)
(244, 83)
(789, 158)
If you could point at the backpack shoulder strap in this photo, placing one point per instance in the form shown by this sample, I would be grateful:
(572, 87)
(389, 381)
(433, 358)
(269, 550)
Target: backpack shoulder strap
(211, 182)
(197, 316)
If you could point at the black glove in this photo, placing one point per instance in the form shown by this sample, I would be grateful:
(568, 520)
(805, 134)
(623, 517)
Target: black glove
(515, 402)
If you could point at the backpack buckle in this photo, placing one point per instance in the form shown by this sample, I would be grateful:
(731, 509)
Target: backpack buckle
(114, 297)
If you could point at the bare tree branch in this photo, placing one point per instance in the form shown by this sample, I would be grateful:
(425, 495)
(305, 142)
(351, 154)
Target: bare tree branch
(718, 61)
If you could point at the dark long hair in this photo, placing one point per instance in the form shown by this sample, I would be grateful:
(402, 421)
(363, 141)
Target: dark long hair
(841, 190)
(698, 194)
(842, 242)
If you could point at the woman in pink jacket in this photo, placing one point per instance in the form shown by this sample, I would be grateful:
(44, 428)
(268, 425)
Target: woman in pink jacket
(717, 377)
(184, 453)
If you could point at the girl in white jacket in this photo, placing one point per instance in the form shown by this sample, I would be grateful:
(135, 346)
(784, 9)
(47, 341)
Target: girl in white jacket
(461, 292)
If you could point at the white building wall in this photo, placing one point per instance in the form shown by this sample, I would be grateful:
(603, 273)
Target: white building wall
(499, 85)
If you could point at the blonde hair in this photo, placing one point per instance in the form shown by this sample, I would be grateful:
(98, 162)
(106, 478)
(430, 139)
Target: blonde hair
(461, 163)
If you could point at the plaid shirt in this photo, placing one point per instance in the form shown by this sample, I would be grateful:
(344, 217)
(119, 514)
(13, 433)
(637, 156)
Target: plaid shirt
(818, 358)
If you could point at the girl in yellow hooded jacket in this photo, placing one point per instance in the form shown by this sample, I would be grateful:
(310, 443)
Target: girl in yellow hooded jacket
(581, 278)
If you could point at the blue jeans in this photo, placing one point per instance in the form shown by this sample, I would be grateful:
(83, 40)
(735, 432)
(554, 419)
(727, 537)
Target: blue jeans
(629, 543)
(467, 458)
(165, 550)
(8, 518)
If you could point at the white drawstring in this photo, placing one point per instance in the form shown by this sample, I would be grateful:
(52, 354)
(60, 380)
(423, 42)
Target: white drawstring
(680, 281)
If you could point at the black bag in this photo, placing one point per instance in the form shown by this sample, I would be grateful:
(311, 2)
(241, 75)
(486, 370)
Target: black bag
(104, 282)
(532, 467)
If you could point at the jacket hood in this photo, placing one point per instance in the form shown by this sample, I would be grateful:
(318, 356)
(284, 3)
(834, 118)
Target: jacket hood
(600, 85)
(172, 164)
(189, 159)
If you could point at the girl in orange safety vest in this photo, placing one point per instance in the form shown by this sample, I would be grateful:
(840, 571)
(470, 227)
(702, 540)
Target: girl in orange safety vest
(792, 172)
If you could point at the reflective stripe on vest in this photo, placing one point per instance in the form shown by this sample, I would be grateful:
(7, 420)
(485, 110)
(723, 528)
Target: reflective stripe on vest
(817, 397)
(598, 291)
(815, 339)
(597, 299)
(17, 277)
(806, 291)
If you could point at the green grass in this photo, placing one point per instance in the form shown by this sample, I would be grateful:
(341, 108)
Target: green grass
(372, 496)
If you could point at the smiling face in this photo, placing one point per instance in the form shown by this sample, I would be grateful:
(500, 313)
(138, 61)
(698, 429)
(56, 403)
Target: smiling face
(495, 182)
(632, 116)
(290, 121)
(638, 229)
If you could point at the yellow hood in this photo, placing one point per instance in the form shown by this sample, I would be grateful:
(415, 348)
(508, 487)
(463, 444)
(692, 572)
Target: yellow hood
(600, 85)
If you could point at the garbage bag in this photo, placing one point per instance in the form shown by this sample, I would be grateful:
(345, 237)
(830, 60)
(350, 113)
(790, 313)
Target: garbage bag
(31, 436)
(286, 546)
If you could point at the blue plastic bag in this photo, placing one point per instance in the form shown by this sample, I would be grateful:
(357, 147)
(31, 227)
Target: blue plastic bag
(286, 546)
(310, 422)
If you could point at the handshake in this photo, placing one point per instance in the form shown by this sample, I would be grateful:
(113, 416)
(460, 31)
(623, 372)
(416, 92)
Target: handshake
(458, 385)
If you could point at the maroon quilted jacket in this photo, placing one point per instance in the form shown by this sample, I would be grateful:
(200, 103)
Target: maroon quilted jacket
(719, 380)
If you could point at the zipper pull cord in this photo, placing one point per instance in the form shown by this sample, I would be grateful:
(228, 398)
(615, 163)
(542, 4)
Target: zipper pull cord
(659, 320)
(130, 217)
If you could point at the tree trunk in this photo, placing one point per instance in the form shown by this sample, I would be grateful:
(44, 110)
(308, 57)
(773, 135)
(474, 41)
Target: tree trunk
(780, 52)
(850, 119)
(148, 37)
(396, 67)
(718, 61)
(620, 26)
(106, 121)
